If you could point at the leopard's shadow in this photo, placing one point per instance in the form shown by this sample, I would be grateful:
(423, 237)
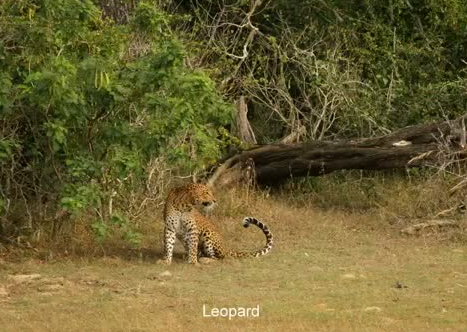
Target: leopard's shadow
(148, 255)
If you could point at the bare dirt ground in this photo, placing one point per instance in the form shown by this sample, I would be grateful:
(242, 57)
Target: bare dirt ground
(329, 271)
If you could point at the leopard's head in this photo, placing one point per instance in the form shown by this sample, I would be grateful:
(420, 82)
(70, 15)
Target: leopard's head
(202, 196)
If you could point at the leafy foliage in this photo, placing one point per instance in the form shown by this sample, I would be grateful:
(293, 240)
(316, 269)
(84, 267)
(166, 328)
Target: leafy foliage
(83, 110)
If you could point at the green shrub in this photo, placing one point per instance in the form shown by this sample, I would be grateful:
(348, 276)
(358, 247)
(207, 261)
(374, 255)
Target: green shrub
(83, 112)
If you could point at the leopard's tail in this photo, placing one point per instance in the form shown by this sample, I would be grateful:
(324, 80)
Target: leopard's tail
(269, 240)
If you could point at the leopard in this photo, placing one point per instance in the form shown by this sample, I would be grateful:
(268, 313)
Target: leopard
(184, 221)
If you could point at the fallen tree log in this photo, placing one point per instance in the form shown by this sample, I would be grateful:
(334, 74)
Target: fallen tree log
(408, 147)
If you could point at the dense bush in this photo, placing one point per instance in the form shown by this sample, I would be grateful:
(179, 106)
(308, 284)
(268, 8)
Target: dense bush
(87, 104)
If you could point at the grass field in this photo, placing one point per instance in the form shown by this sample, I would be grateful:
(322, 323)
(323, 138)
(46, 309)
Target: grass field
(330, 270)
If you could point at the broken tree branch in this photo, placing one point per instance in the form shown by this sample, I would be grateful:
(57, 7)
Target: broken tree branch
(412, 230)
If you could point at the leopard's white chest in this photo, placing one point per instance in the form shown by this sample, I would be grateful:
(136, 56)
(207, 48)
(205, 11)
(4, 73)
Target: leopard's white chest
(178, 223)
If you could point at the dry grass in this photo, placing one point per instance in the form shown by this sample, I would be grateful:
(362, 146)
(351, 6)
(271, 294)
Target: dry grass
(330, 270)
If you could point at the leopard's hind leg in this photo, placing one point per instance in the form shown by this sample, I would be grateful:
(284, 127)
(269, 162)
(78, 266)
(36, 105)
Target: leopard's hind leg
(208, 249)
(208, 252)
(191, 241)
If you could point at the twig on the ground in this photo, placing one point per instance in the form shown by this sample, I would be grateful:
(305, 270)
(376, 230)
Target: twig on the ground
(411, 230)
(5, 239)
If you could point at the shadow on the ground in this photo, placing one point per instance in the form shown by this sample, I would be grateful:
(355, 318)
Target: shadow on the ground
(13, 254)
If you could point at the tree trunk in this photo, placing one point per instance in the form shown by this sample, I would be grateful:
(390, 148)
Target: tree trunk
(408, 147)
(118, 10)
(242, 128)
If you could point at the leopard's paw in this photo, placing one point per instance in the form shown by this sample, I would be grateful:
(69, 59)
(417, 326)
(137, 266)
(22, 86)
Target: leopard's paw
(207, 260)
(164, 262)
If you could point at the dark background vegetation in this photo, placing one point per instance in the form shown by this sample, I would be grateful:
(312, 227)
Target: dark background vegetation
(103, 102)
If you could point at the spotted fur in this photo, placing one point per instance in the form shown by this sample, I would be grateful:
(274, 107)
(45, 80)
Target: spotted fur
(184, 221)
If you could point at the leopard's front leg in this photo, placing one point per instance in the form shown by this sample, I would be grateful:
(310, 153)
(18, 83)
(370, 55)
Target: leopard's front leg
(169, 242)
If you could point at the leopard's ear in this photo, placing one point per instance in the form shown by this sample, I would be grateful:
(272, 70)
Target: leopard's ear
(195, 181)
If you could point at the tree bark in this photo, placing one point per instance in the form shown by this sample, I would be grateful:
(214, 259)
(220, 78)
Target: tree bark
(118, 10)
(242, 128)
(408, 147)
